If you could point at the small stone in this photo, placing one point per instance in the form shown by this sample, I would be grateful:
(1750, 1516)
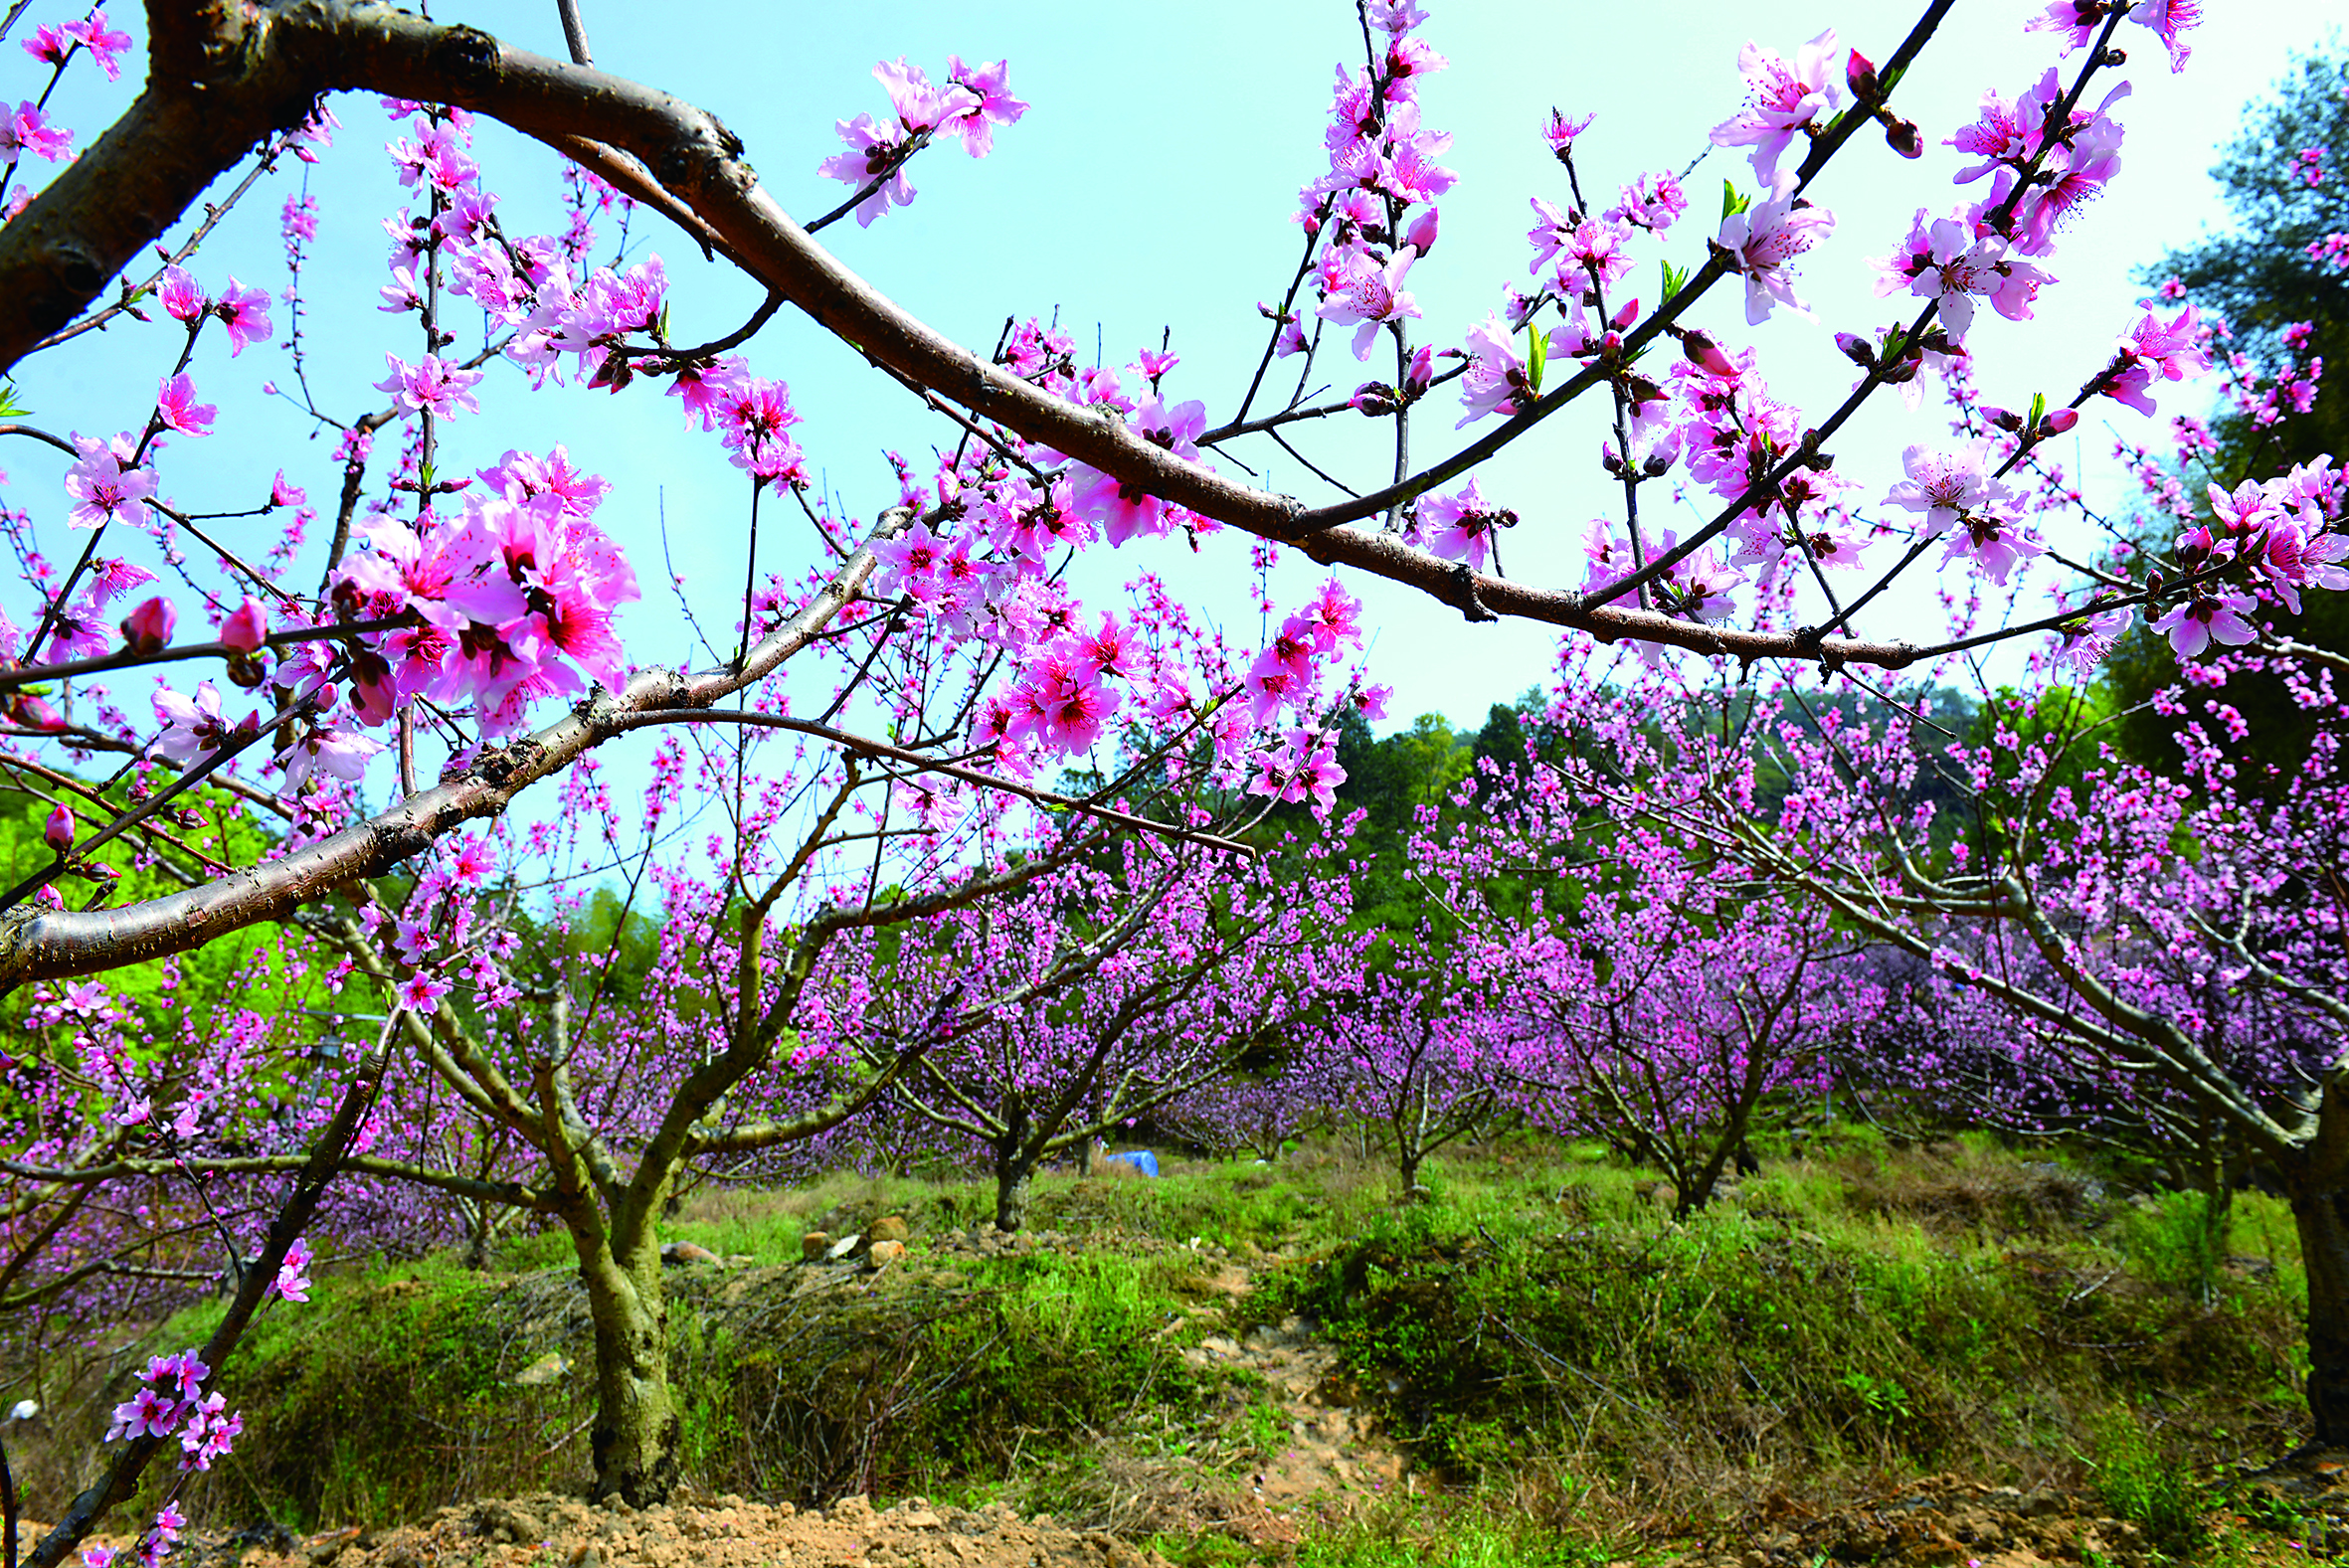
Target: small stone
(545, 1369)
(814, 1244)
(891, 1227)
(919, 1519)
(677, 1254)
(325, 1548)
(885, 1251)
(841, 1248)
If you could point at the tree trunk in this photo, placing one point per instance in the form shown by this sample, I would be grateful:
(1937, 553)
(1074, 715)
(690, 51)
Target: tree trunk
(1693, 1191)
(1011, 1178)
(1408, 1162)
(2324, 1248)
(635, 1437)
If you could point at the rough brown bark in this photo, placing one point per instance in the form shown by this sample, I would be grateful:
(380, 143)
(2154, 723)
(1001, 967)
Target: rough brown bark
(2323, 1224)
(637, 1434)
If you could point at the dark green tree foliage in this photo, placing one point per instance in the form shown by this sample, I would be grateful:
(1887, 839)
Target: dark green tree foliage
(1418, 769)
(1389, 780)
(2264, 280)
(211, 824)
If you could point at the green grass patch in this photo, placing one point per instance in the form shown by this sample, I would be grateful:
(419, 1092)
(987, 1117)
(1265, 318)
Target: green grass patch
(1542, 1339)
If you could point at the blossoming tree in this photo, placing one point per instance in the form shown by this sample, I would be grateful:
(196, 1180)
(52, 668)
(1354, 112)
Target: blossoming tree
(1094, 998)
(2166, 953)
(448, 627)
(1645, 988)
(450, 605)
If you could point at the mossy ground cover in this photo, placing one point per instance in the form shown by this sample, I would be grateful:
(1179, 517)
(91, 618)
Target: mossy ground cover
(1570, 1372)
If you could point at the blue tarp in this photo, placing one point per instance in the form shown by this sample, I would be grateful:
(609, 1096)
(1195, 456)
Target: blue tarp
(1141, 1160)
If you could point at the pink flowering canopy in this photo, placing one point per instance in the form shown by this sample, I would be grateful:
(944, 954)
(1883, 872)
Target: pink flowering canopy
(397, 635)
(468, 591)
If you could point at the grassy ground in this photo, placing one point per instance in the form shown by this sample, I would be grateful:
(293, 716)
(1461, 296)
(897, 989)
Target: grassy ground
(1570, 1372)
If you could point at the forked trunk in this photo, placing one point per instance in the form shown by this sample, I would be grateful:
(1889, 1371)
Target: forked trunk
(2324, 1247)
(636, 1436)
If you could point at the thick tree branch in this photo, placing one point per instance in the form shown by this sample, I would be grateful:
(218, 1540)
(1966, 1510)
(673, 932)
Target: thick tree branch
(38, 944)
(267, 64)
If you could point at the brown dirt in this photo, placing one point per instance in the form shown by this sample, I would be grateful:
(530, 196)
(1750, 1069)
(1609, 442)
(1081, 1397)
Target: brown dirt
(1938, 1520)
(1326, 1451)
(1947, 1523)
(546, 1530)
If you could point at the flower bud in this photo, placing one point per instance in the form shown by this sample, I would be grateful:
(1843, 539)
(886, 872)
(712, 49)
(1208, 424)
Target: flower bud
(57, 832)
(1856, 348)
(33, 714)
(1421, 234)
(1422, 371)
(147, 630)
(1622, 319)
(1860, 76)
(2058, 421)
(1705, 352)
(246, 626)
(2004, 419)
(1903, 137)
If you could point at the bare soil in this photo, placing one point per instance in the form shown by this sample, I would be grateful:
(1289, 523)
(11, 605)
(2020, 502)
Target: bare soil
(550, 1531)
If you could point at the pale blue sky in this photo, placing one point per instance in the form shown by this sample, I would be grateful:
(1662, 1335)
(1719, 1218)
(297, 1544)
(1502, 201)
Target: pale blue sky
(1150, 186)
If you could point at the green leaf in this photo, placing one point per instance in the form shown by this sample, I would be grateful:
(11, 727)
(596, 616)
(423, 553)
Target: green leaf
(1536, 354)
(1676, 278)
(10, 409)
(1889, 81)
(2039, 408)
(1733, 201)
